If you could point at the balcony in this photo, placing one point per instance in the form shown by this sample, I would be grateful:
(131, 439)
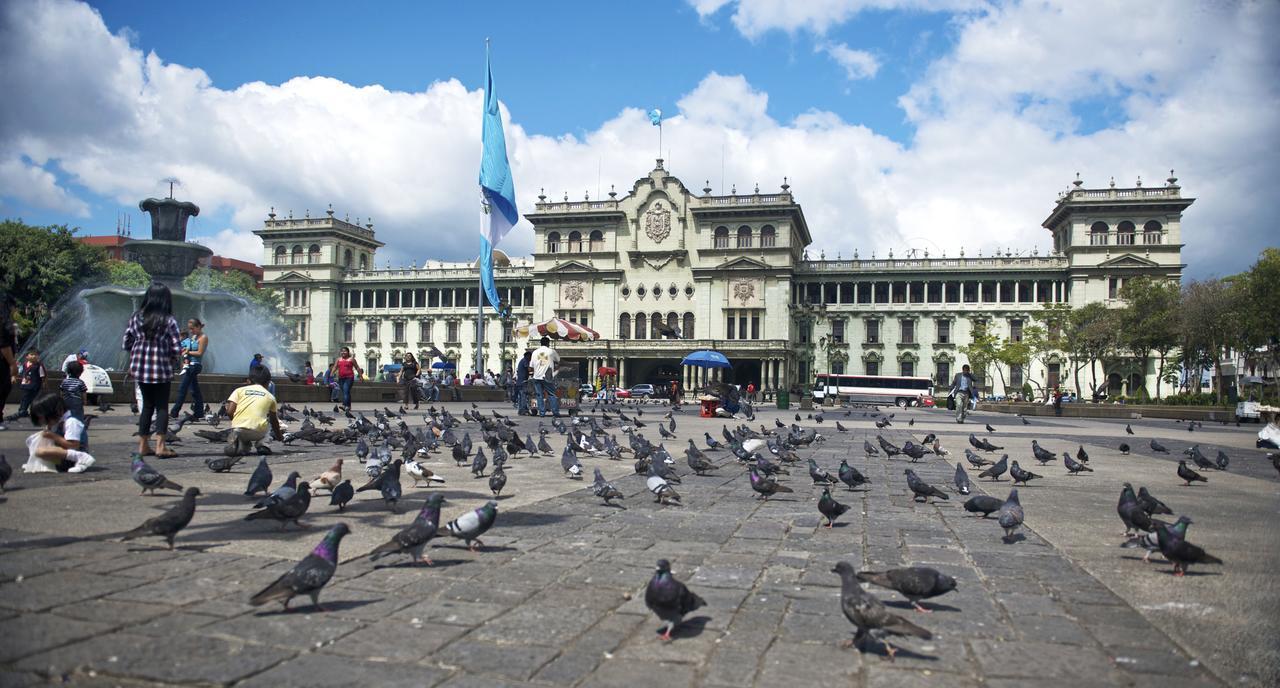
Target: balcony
(934, 264)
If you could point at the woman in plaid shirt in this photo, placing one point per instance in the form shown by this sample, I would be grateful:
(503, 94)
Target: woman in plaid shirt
(153, 344)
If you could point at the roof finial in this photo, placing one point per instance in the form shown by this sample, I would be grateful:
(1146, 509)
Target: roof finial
(330, 211)
(272, 214)
(785, 186)
(612, 194)
(706, 190)
(542, 195)
(1078, 182)
(1173, 181)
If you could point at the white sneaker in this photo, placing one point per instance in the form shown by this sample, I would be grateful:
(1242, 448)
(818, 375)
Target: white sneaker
(83, 462)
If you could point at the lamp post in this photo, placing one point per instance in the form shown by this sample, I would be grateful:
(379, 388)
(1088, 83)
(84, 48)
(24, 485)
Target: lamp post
(807, 314)
(825, 344)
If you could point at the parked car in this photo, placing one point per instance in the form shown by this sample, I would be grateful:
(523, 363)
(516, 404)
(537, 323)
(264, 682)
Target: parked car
(618, 393)
(585, 391)
(642, 391)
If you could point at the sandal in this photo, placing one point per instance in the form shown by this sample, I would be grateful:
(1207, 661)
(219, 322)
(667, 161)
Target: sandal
(168, 454)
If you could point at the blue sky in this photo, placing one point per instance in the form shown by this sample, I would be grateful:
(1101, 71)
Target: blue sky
(901, 124)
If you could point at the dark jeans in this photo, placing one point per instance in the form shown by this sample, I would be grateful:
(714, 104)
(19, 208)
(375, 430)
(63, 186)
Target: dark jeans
(155, 400)
(190, 381)
(344, 386)
(520, 398)
(28, 396)
(546, 389)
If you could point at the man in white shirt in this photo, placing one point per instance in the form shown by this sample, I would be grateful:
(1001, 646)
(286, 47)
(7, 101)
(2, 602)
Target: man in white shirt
(545, 361)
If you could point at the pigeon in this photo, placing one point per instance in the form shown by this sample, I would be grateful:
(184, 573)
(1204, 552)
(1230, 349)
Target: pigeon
(1025, 421)
(308, 576)
(1199, 458)
(413, 539)
(921, 490)
(1124, 449)
(362, 449)
(1081, 455)
(983, 504)
(342, 493)
(1189, 476)
(1128, 428)
(569, 462)
(996, 469)
(869, 449)
(1011, 515)
(975, 460)
(962, 480)
(1040, 453)
(1158, 448)
(459, 455)
(915, 451)
(712, 443)
(662, 490)
(1021, 476)
(1151, 541)
(387, 484)
(6, 471)
(222, 464)
(840, 427)
(914, 583)
(666, 434)
(149, 479)
(1150, 504)
(697, 460)
(820, 475)
(497, 481)
(1180, 553)
(330, 478)
(1223, 460)
(764, 485)
(471, 525)
(1074, 467)
(869, 615)
(478, 463)
(889, 449)
(289, 505)
(260, 480)
(669, 599)
(829, 507)
(171, 522)
(850, 475)
(1131, 511)
(989, 428)
(604, 489)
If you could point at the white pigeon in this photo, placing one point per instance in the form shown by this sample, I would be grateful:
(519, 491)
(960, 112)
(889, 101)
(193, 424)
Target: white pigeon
(421, 473)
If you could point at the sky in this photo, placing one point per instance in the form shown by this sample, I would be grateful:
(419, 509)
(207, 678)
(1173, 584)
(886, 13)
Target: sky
(935, 125)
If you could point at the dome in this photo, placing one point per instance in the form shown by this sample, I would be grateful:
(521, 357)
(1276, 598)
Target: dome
(500, 260)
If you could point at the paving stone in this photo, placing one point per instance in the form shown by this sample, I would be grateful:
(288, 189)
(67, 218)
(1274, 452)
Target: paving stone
(32, 633)
(476, 656)
(322, 670)
(209, 660)
(628, 673)
(1035, 660)
(296, 630)
(113, 612)
(57, 589)
(451, 612)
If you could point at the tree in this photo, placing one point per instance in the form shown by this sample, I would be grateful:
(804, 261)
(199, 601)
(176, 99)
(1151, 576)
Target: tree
(983, 351)
(125, 274)
(38, 265)
(1212, 324)
(1090, 335)
(208, 280)
(1150, 321)
(1260, 304)
(1032, 347)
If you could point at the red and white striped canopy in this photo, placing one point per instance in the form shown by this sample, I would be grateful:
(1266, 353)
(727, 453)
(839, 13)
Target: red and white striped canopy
(557, 328)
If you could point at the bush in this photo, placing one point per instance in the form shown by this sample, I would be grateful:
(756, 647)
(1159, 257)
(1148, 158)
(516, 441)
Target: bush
(1195, 399)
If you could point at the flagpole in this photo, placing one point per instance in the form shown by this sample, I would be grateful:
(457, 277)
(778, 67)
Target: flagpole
(480, 261)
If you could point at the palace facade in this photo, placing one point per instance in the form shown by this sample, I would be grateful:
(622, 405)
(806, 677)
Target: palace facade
(729, 272)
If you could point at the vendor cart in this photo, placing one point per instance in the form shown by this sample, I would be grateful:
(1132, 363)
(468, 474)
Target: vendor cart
(567, 381)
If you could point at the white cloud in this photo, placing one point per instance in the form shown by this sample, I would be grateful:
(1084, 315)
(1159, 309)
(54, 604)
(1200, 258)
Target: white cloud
(756, 17)
(857, 64)
(997, 134)
(232, 243)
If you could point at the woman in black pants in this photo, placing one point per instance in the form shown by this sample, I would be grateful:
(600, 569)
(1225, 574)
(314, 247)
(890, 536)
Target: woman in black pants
(153, 344)
(409, 380)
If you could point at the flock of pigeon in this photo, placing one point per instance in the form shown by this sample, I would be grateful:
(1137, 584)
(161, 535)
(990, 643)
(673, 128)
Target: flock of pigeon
(766, 454)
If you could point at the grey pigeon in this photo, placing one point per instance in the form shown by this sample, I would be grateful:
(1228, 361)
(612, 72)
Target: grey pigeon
(1081, 455)
(171, 522)
(914, 583)
(915, 451)
(1011, 515)
(661, 489)
(222, 464)
(342, 493)
(851, 476)
(869, 615)
(413, 539)
(869, 449)
(1189, 476)
(285, 491)
(963, 486)
(604, 489)
(1124, 449)
(478, 463)
(308, 576)
(829, 507)
(1151, 541)
(766, 486)
(921, 490)
(996, 470)
(544, 446)
(471, 525)
(1074, 467)
(1150, 504)
(819, 475)
(1180, 553)
(260, 481)
(1223, 460)
(290, 507)
(1040, 453)
(1199, 458)
(387, 484)
(1021, 476)
(712, 443)
(697, 460)
(1158, 448)
(149, 479)
(982, 504)
(569, 462)
(497, 481)
(669, 599)
(1131, 512)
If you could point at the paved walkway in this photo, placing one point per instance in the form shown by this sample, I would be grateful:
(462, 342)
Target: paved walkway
(555, 598)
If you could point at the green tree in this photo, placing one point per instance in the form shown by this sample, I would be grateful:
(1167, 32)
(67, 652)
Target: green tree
(1259, 306)
(1212, 325)
(38, 265)
(1150, 321)
(125, 274)
(270, 301)
(983, 352)
(1032, 347)
(1090, 335)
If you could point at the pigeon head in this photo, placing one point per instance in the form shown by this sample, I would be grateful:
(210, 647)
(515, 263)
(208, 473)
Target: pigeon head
(1185, 520)
(435, 500)
(843, 568)
(304, 486)
(945, 584)
(1013, 496)
(192, 492)
(663, 566)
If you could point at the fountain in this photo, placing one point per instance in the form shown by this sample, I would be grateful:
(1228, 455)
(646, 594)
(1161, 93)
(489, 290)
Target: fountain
(94, 317)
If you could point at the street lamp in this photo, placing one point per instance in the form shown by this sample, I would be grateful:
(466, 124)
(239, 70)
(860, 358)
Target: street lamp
(807, 314)
(825, 344)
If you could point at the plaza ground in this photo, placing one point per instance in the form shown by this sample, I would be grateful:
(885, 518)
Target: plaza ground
(555, 596)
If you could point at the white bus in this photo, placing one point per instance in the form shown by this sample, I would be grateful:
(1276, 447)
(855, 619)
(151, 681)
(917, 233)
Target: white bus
(876, 389)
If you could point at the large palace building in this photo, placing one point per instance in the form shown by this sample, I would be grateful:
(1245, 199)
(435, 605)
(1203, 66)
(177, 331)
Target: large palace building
(730, 273)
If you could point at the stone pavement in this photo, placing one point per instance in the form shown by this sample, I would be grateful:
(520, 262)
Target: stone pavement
(555, 597)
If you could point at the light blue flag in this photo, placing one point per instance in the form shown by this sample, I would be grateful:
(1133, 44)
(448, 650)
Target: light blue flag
(655, 117)
(497, 189)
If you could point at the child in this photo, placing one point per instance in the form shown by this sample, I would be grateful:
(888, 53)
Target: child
(252, 410)
(30, 378)
(49, 451)
(73, 392)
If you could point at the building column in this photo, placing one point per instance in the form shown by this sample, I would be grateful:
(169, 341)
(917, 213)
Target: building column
(1035, 291)
(998, 299)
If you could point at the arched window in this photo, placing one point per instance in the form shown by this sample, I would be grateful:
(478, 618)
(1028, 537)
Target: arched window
(553, 242)
(653, 326)
(297, 254)
(575, 242)
(687, 330)
(673, 321)
(364, 261)
(1124, 233)
(1151, 232)
(624, 326)
(597, 240)
(768, 236)
(721, 239)
(282, 254)
(642, 326)
(346, 258)
(1098, 234)
(313, 253)
(744, 237)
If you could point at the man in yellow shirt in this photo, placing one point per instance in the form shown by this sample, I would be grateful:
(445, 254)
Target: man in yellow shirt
(252, 409)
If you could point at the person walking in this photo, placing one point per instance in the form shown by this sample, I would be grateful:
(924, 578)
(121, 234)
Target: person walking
(31, 377)
(522, 383)
(346, 369)
(545, 361)
(963, 388)
(152, 341)
(751, 392)
(310, 374)
(409, 370)
(193, 348)
(8, 350)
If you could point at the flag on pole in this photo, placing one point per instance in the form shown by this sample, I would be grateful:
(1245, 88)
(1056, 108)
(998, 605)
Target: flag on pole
(497, 189)
(655, 117)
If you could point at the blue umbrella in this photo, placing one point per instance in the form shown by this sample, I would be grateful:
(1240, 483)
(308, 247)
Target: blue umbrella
(443, 365)
(706, 358)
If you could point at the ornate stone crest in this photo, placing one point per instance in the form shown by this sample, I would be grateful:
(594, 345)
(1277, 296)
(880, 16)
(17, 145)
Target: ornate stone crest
(573, 292)
(657, 222)
(744, 291)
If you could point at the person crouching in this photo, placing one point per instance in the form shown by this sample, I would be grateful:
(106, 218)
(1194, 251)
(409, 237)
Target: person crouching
(56, 448)
(253, 410)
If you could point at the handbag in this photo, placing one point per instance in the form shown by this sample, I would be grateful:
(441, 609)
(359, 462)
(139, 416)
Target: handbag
(951, 402)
